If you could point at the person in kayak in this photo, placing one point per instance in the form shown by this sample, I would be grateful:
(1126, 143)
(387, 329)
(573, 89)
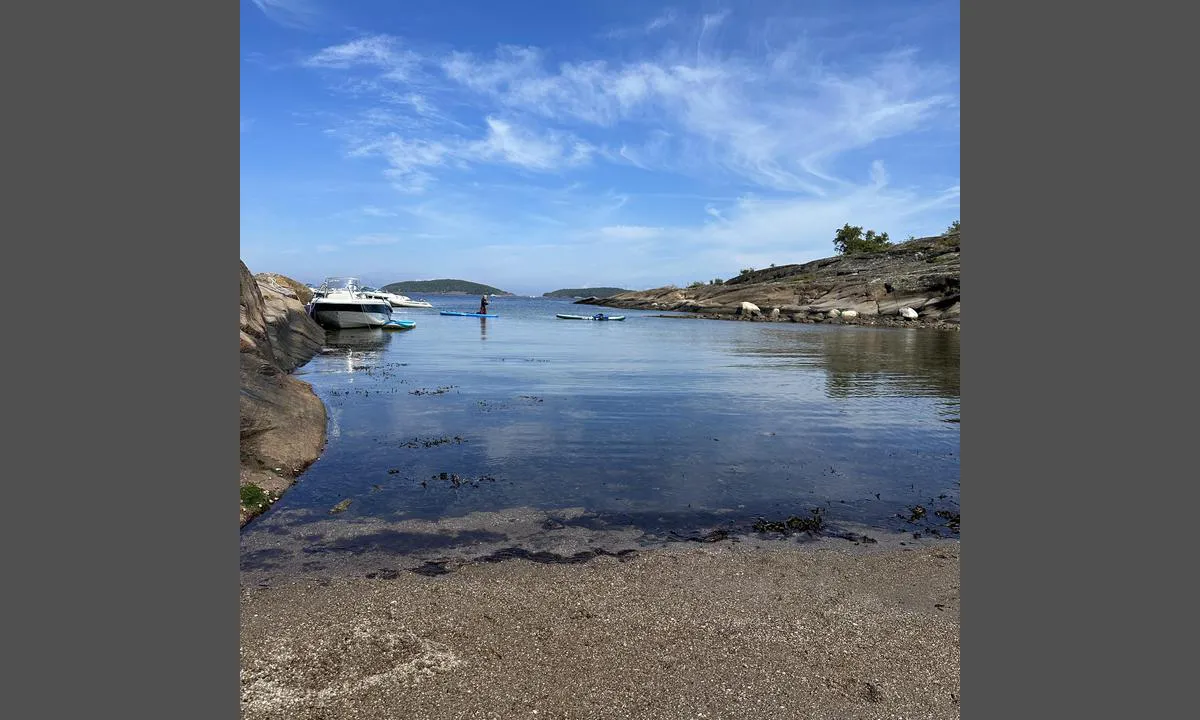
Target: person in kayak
(483, 303)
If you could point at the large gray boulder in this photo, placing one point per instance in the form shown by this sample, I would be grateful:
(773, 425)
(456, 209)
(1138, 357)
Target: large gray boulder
(282, 426)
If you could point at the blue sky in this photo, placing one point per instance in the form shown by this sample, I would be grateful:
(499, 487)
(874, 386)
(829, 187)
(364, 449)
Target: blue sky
(543, 144)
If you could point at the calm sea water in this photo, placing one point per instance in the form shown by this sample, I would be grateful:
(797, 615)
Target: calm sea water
(662, 426)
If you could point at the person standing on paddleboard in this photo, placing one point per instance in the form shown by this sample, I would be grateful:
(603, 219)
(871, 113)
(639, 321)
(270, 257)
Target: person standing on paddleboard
(483, 302)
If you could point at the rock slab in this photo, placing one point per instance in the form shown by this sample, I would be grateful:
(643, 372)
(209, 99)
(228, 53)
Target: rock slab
(282, 422)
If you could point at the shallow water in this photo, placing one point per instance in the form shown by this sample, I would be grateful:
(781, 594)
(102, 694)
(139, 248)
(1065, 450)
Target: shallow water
(652, 427)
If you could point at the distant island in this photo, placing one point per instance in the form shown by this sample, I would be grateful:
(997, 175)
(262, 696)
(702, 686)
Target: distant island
(600, 292)
(442, 287)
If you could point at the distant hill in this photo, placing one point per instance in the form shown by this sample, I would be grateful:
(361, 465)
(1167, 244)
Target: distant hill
(600, 292)
(442, 287)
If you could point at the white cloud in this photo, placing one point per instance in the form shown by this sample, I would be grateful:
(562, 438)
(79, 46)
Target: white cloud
(302, 14)
(525, 149)
(382, 52)
(411, 162)
(777, 129)
(327, 248)
(666, 19)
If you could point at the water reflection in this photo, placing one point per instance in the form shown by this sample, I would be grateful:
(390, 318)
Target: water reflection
(865, 361)
(358, 347)
(357, 339)
(653, 422)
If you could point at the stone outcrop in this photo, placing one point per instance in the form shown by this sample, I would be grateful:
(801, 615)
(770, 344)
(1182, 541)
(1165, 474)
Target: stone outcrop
(285, 286)
(921, 275)
(282, 420)
(748, 310)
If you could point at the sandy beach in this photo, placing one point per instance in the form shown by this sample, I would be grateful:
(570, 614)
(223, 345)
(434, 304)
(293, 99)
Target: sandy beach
(734, 629)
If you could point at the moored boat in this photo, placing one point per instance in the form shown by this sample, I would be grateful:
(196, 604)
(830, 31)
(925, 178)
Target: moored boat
(341, 303)
(396, 300)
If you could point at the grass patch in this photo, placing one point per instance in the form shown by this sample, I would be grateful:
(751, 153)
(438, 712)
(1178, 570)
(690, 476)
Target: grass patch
(253, 496)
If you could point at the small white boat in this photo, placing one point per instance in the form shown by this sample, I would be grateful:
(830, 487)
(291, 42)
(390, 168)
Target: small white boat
(341, 303)
(398, 300)
(406, 301)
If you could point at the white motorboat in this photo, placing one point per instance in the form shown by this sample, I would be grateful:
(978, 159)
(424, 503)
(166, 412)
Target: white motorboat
(396, 300)
(341, 303)
(406, 301)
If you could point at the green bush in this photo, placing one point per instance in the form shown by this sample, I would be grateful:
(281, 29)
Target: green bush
(851, 239)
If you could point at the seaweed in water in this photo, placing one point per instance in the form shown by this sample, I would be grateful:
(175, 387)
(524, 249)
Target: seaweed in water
(794, 524)
(951, 518)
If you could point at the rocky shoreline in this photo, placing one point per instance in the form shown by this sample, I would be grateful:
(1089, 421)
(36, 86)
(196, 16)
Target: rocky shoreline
(911, 284)
(282, 420)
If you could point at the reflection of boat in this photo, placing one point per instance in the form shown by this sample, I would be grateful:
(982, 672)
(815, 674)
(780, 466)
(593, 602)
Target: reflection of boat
(355, 340)
(399, 324)
(341, 303)
(597, 316)
(396, 300)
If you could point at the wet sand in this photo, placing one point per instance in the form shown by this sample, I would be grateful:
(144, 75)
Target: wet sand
(734, 629)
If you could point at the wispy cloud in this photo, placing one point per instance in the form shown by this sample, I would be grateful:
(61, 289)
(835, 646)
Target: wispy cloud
(667, 18)
(382, 52)
(779, 120)
(525, 149)
(411, 162)
(301, 14)
(246, 123)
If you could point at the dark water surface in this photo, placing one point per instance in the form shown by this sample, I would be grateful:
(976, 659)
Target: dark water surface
(502, 432)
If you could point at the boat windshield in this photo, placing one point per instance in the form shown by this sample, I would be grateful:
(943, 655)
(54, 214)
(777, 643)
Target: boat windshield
(345, 284)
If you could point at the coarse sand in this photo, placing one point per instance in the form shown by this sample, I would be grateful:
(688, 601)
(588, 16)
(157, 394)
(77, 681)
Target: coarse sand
(733, 630)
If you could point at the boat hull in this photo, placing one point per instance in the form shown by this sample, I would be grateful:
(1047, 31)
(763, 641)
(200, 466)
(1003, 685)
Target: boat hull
(339, 315)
